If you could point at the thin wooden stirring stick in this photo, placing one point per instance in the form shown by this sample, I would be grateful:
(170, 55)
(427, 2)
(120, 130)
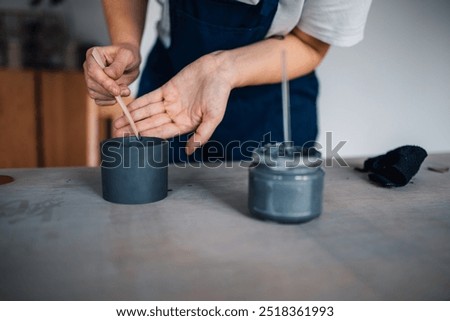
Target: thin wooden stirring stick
(119, 99)
(286, 101)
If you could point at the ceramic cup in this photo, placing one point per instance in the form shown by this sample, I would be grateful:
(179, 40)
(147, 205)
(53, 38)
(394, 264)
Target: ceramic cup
(134, 171)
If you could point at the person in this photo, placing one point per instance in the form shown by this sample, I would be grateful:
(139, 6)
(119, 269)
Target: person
(214, 72)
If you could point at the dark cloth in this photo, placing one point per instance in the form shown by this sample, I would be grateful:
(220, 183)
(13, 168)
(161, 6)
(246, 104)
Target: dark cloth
(396, 167)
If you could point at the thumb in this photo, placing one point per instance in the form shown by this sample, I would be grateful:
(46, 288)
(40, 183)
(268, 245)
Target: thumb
(121, 62)
(201, 136)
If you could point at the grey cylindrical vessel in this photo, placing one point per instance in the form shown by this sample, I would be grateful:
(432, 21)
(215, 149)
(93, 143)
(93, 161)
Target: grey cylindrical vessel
(285, 186)
(134, 171)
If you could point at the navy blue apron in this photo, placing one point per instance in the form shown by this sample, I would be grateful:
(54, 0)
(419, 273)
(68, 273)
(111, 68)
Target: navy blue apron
(254, 114)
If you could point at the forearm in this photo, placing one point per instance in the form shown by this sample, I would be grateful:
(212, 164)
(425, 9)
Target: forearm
(260, 63)
(126, 20)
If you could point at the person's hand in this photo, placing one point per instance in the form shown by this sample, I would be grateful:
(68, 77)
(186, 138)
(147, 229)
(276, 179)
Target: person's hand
(192, 101)
(122, 68)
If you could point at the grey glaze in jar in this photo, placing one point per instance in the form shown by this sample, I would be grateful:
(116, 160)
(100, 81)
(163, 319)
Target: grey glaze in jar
(285, 184)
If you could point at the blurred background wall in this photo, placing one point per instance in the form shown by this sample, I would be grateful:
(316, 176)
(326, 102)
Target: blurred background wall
(391, 89)
(394, 87)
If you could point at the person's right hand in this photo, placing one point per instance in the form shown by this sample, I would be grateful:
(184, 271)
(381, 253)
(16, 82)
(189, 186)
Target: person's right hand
(122, 68)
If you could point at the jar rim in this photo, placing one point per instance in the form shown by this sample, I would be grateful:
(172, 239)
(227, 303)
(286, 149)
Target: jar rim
(280, 156)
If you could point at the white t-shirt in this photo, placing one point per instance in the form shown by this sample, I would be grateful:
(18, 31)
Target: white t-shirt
(336, 22)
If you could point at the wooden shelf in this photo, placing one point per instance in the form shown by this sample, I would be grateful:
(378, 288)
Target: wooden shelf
(18, 114)
(43, 118)
(63, 117)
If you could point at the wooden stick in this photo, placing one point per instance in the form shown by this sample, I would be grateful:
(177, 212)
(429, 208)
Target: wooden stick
(286, 100)
(119, 99)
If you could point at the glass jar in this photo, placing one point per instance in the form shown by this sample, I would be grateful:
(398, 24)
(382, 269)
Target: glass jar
(286, 184)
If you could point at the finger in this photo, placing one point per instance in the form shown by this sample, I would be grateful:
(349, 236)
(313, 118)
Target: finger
(96, 96)
(202, 134)
(122, 132)
(97, 91)
(92, 86)
(96, 74)
(149, 111)
(101, 102)
(100, 99)
(152, 97)
(142, 113)
(165, 131)
(145, 124)
(122, 60)
(153, 122)
(124, 90)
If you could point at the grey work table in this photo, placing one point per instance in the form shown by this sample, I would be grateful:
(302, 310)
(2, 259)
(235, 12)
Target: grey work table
(59, 240)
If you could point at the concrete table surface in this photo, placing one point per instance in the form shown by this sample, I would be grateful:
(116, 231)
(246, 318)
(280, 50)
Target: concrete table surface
(59, 240)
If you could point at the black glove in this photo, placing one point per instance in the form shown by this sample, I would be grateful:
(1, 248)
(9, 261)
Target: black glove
(396, 167)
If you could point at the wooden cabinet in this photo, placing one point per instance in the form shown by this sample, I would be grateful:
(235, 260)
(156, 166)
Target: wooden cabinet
(63, 118)
(19, 145)
(42, 119)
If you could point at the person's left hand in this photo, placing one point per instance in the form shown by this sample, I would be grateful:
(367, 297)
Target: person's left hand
(194, 100)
